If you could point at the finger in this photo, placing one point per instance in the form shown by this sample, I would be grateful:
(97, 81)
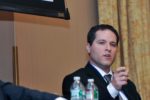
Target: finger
(123, 78)
(123, 74)
(120, 69)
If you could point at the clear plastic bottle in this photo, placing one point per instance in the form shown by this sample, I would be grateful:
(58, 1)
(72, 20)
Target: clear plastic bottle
(91, 90)
(77, 89)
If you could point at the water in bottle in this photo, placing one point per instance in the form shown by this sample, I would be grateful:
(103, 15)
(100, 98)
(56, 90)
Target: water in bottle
(77, 89)
(91, 90)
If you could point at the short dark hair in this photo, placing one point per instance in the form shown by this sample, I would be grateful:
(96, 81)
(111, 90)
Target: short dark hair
(91, 34)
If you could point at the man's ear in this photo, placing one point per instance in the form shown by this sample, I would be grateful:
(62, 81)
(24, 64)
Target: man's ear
(88, 48)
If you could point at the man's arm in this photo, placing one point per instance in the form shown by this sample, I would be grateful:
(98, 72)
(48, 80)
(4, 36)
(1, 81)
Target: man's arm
(66, 87)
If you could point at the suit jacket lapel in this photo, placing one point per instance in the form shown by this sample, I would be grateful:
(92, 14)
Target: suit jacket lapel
(93, 73)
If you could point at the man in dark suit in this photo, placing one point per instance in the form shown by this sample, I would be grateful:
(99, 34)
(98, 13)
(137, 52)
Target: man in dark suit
(10, 91)
(102, 48)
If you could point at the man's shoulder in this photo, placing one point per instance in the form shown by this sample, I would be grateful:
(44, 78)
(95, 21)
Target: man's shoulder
(77, 72)
(68, 79)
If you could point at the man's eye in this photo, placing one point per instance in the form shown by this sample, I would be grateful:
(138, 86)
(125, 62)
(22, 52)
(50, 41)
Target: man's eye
(114, 44)
(101, 42)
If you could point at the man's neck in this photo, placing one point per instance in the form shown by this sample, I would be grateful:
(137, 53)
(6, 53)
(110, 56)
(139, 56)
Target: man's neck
(106, 69)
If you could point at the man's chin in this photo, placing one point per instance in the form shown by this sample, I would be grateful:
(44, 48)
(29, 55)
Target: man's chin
(107, 64)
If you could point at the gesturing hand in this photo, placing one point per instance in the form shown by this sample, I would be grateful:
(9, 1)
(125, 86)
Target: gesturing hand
(120, 77)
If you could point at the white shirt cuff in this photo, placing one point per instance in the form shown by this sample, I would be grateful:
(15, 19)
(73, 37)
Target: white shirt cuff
(112, 90)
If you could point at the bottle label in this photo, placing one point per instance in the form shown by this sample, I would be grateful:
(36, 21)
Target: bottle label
(96, 95)
(75, 93)
(92, 95)
(89, 95)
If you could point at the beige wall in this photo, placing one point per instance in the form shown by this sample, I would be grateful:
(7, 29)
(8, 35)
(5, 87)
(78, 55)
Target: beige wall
(50, 48)
(6, 46)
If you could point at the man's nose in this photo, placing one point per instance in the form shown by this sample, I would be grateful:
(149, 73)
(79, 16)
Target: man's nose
(108, 47)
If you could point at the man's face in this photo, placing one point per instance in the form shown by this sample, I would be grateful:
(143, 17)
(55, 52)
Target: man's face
(103, 49)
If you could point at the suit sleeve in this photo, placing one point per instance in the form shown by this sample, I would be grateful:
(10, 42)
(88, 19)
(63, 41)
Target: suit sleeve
(21, 93)
(67, 82)
(131, 89)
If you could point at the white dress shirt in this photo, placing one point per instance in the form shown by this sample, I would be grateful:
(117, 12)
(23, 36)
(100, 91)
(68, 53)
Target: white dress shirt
(111, 89)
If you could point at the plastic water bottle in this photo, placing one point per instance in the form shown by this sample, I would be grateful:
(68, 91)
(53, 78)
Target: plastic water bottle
(77, 89)
(91, 90)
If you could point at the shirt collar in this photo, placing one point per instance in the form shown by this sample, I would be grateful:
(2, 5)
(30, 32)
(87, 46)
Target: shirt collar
(101, 71)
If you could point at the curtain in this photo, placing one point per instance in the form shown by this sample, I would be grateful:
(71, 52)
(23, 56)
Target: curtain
(132, 19)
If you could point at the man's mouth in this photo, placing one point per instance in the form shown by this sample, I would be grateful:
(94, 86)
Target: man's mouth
(107, 56)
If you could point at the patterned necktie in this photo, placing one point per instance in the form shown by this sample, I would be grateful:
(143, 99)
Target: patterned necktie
(108, 78)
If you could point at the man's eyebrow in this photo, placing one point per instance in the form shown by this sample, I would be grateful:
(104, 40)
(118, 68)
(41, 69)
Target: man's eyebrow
(114, 42)
(106, 40)
(101, 40)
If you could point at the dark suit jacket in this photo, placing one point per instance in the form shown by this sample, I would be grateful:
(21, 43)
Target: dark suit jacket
(9, 91)
(90, 72)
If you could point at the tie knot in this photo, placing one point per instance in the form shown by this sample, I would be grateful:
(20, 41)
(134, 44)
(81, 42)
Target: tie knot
(108, 78)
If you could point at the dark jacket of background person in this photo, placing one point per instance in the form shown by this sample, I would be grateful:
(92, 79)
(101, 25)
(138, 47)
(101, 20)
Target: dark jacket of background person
(10, 91)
